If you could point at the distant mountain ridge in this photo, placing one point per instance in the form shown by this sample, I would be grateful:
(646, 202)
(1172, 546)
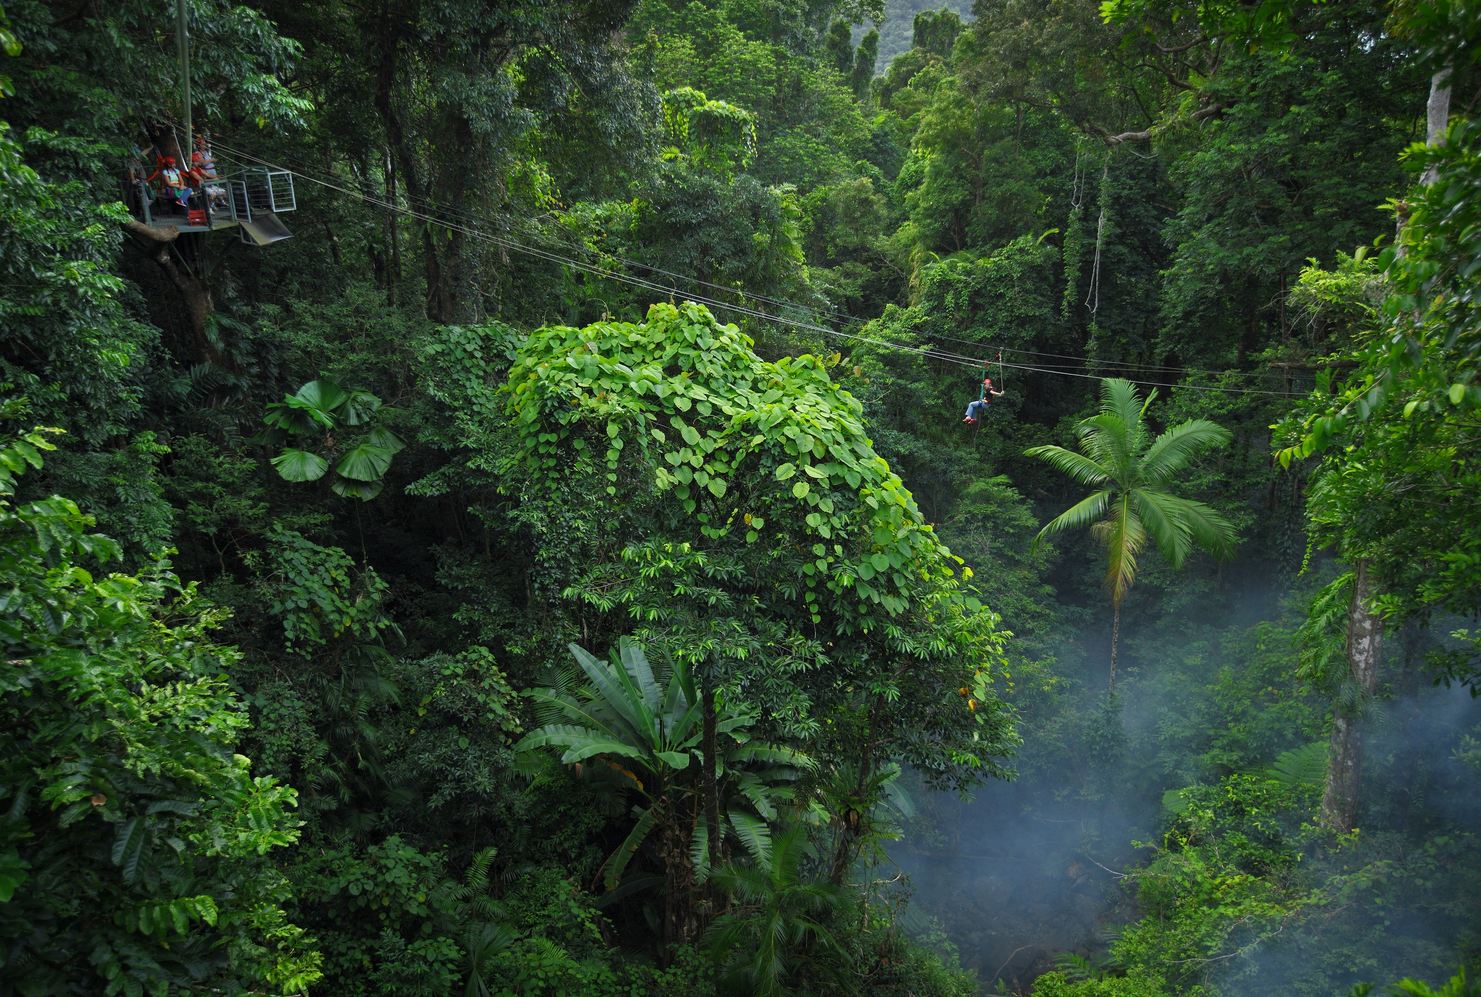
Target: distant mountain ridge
(899, 19)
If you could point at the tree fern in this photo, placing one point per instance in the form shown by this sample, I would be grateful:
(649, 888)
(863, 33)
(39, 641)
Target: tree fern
(1300, 768)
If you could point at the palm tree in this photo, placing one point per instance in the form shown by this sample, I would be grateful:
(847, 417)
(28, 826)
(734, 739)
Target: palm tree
(778, 930)
(1132, 500)
(641, 723)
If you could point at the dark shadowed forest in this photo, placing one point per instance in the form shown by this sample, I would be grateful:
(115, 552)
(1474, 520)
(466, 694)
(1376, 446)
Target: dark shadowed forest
(743, 497)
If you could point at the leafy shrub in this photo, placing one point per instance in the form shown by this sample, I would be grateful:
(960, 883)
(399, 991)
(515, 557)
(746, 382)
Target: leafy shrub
(133, 841)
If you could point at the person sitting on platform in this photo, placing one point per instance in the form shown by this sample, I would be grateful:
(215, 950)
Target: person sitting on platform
(173, 181)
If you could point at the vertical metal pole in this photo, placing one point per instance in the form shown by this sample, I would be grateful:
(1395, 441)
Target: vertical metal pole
(182, 40)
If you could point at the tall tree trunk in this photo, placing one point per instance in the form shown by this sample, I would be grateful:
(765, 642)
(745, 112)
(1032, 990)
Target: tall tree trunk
(1437, 115)
(708, 749)
(393, 231)
(851, 824)
(195, 294)
(1365, 630)
(1345, 751)
(680, 926)
(1115, 641)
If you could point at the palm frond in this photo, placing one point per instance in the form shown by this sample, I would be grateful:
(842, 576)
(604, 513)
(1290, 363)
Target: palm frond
(775, 754)
(1300, 768)
(1123, 399)
(1172, 451)
(759, 795)
(1163, 522)
(1083, 513)
(553, 706)
(1078, 466)
(1206, 525)
(755, 834)
(699, 851)
(1123, 536)
(1120, 419)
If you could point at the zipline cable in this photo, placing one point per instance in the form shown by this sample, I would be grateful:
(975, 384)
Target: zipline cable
(944, 355)
(427, 205)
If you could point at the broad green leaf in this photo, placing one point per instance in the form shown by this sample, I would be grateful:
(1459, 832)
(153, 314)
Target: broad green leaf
(364, 462)
(323, 394)
(300, 465)
(362, 490)
(359, 407)
(385, 439)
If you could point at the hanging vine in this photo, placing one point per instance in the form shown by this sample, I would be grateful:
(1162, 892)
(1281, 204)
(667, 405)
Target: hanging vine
(1092, 293)
(1073, 245)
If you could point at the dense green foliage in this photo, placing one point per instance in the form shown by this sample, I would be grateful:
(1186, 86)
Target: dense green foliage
(575, 525)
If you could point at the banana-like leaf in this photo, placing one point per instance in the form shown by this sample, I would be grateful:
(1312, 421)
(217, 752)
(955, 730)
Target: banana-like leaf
(641, 672)
(579, 742)
(552, 705)
(737, 723)
(618, 695)
(617, 862)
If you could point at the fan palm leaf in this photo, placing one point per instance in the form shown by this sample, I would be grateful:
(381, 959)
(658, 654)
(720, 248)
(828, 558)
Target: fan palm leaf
(644, 722)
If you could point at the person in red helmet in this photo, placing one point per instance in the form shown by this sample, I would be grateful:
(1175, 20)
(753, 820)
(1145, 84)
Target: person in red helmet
(173, 181)
(978, 408)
